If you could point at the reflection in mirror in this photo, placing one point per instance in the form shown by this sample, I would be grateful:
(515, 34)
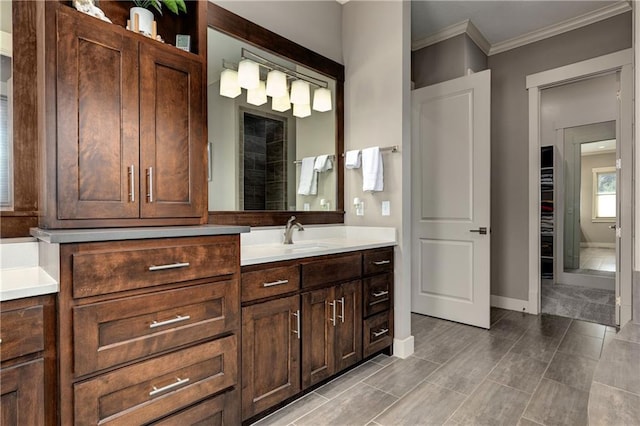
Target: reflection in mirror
(590, 199)
(6, 106)
(256, 147)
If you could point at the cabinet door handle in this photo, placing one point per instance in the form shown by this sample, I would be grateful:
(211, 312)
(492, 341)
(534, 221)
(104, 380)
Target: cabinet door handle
(178, 318)
(381, 262)
(341, 302)
(297, 330)
(169, 266)
(178, 382)
(132, 184)
(272, 283)
(150, 184)
(380, 332)
(333, 315)
(380, 293)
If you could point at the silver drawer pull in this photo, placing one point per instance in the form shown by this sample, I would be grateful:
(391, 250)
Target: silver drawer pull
(150, 184)
(333, 315)
(297, 330)
(132, 180)
(341, 302)
(169, 266)
(380, 293)
(380, 332)
(271, 284)
(381, 262)
(178, 318)
(178, 382)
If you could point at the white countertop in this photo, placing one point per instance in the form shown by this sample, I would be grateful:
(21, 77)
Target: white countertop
(21, 275)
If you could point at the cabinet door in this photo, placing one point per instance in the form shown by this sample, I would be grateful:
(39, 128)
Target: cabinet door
(172, 139)
(348, 341)
(270, 354)
(97, 108)
(22, 396)
(319, 317)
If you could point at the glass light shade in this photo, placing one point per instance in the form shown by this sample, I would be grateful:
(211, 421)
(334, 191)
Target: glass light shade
(301, 110)
(248, 74)
(322, 100)
(300, 93)
(257, 96)
(282, 103)
(229, 86)
(276, 84)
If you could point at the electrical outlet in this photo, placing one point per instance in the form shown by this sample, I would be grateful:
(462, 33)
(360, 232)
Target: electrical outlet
(386, 208)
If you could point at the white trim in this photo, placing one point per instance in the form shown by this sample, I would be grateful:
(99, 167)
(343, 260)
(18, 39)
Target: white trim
(509, 303)
(534, 200)
(6, 44)
(403, 348)
(464, 27)
(478, 38)
(561, 27)
(595, 171)
(592, 244)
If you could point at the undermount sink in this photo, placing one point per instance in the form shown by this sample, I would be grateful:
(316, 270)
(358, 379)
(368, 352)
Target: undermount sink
(306, 247)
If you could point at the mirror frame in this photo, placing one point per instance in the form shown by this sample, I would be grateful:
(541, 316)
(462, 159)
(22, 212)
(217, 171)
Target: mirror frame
(235, 26)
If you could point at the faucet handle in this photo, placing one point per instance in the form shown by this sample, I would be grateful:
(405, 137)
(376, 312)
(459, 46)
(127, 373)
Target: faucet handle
(291, 220)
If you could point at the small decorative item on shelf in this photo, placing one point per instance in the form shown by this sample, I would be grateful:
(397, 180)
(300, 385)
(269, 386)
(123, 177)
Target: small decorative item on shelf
(183, 42)
(141, 17)
(88, 7)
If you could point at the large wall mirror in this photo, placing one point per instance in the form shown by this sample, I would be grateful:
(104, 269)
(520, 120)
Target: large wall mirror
(271, 157)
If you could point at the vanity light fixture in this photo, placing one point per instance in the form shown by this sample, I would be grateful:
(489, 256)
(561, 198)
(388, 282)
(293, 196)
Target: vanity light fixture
(322, 99)
(276, 84)
(248, 74)
(300, 93)
(229, 86)
(257, 96)
(301, 110)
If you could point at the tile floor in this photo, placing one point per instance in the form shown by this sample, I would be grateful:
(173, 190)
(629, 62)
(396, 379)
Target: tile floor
(577, 302)
(525, 370)
(598, 259)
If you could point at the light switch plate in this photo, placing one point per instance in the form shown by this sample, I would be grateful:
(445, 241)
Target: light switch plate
(386, 208)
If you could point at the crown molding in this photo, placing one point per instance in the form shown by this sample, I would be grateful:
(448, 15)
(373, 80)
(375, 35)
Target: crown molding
(562, 27)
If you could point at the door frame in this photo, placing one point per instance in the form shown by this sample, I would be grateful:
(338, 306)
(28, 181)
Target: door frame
(619, 61)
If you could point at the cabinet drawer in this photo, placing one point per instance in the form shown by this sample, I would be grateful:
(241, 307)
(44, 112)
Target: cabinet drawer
(378, 333)
(111, 333)
(377, 294)
(376, 261)
(221, 410)
(21, 331)
(270, 282)
(342, 268)
(147, 391)
(103, 268)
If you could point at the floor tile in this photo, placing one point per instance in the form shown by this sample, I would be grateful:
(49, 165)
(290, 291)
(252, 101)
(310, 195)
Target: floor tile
(492, 404)
(587, 328)
(293, 411)
(519, 371)
(357, 407)
(496, 314)
(444, 346)
(428, 404)
(630, 332)
(572, 370)
(429, 328)
(348, 380)
(555, 403)
(526, 422)
(383, 359)
(550, 325)
(610, 406)
(564, 307)
(581, 345)
(402, 375)
(597, 312)
(512, 326)
(536, 346)
(620, 366)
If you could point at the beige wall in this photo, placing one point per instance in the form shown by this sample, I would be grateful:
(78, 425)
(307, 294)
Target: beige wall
(593, 232)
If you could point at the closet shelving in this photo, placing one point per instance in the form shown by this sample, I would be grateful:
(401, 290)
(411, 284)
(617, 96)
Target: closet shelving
(547, 212)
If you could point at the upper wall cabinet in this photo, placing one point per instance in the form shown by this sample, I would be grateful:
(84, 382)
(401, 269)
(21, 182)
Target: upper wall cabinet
(125, 117)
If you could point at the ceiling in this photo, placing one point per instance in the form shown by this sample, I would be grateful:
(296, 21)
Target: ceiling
(498, 21)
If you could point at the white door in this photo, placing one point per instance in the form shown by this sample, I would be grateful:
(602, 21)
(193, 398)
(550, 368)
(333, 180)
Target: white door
(451, 199)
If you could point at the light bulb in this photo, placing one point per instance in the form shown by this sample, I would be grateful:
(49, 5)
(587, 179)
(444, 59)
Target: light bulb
(257, 96)
(301, 110)
(229, 86)
(322, 100)
(276, 84)
(248, 74)
(300, 93)
(282, 103)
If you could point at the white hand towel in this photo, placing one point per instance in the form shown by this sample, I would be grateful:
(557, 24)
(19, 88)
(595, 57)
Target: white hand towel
(308, 177)
(323, 163)
(352, 159)
(372, 173)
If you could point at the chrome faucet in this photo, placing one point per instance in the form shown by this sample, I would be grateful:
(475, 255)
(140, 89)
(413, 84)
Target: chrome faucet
(288, 229)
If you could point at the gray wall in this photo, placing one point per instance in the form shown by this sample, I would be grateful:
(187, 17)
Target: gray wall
(510, 139)
(446, 60)
(593, 232)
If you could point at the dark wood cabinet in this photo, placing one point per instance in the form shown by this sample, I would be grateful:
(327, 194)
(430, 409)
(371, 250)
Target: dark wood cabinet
(270, 353)
(377, 330)
(348, 342)
(22, 394)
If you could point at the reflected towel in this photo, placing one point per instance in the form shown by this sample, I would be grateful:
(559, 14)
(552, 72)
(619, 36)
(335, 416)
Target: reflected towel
(323, 163)
(352, 159)
(372, 173)
(308, 177)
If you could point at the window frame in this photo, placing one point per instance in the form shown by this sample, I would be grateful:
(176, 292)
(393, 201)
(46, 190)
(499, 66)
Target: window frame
(594, 194)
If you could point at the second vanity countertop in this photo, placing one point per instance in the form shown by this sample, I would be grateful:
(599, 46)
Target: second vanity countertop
(265, 245)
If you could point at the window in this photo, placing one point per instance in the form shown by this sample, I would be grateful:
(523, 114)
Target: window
(604, 194)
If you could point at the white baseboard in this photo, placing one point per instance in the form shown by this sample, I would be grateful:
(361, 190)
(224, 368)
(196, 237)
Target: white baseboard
(509, 303)
(598, 245)
(403, 348)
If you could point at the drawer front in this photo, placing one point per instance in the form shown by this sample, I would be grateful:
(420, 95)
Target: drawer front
(222, 410)
(377, 261)
(21, 331)
(378, 292)
(111, 333)
(270, 282)
(104, 268)
(343, 268)
(378, 333)
(150, 390)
